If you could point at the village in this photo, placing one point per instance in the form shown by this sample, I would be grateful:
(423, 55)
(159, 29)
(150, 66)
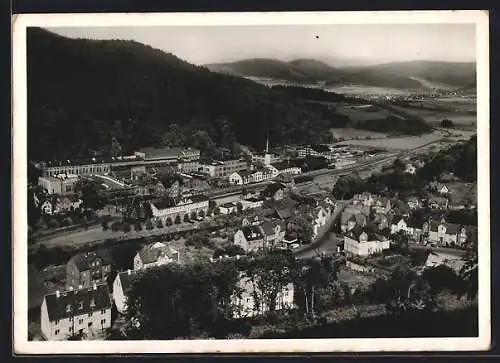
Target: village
(172, 207)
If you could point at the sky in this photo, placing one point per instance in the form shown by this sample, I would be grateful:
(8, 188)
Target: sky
(338, 45)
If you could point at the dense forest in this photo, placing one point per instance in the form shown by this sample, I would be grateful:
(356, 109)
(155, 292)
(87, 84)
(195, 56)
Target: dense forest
(95, 97)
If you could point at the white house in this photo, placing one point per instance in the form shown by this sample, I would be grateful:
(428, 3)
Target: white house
(359, 242)
(156, 254)
(284, 167)
(250, 238)
(251, 301)
(251, 203)
(84, 311)
(435, 259)
(400, 225)
(241, 177)
(228, 208)
(171, 208)
(121, 286)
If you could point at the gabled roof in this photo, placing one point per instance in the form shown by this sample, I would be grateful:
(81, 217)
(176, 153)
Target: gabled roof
(84, 261)
(126, 279)
(452, 228)
(79, 302)
(252, 233)
(152, 253)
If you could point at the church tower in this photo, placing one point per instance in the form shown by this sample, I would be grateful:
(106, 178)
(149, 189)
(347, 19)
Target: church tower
(267, 156)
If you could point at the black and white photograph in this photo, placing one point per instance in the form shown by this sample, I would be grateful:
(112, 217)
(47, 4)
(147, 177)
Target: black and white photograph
(251, 182)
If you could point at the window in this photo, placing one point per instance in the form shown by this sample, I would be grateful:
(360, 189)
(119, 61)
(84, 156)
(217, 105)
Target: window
(103, 321)
(89, 324)
(92, 302)
(56, 322)
(103, 311)
(80, 305)
(80, 321)
(248, 299)
(68, 308)
(56, 332)
(90, 314)
(70, 329)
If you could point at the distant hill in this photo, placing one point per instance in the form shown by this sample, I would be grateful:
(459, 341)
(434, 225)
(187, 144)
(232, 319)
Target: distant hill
(93, 97)
(404, 75)
(300, 70)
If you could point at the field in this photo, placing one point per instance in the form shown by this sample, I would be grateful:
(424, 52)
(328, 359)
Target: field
(362, 112)
(349, 134)
(353, 90)
(400, 143)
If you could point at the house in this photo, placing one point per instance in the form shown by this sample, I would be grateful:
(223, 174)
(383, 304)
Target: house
(284, 167)
(250, 203)
(156, 254)
(275, 191)
(320, 216)
(250, 238)
(241, 177)
(273, 231)
(443, 233)
(382, 205)
(414, 230)
(365, 199)
(251, 302)
(442, 189)
(361, 242)
(437, 202)
(249, 221)
(351, 218)
(228, 208)
(382, 221)
(435, 259)
(67, 204)
(121, 286)
(82, 311)
(85, 269)
(61, 184)
(400, 225)
(179, 207)
(46, 207)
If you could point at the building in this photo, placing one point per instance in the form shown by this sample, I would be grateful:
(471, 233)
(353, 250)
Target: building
(223, 169)
(360, 242)
(87, 268)
(179, 207)
(251, 301)
(77, 167)
(241, 177)
(167, 155)
(250, 238)
(121, 287)
(189, 166)
(228, 208)
(447, 234)
(157, 254)
(273, 231)
(265, 158)
(284, 167)
(62, 184)
(251, 203)
(274, 191)
(413, 203)
(351, 218)
(320, 216)
(85, 311)
(400, 225)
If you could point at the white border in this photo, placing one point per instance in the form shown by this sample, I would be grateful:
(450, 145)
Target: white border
(19, 167)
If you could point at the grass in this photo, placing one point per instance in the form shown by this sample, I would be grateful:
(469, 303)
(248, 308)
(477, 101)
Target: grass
(399, 143)
(356, 113)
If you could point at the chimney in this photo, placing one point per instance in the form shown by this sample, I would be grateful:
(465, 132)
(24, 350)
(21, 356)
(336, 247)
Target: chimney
(94, 286)
(129, 272)
(80, 287)
(58, 293)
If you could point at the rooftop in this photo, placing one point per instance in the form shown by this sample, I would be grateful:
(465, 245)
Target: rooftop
(152, 253)
(61, 305)
(84, 261)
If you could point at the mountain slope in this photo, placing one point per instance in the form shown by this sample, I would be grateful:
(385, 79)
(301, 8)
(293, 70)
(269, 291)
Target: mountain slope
(404, 75)
(299, 70)
(85, 96)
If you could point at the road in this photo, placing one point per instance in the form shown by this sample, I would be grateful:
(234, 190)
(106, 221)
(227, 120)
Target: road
(446, 250)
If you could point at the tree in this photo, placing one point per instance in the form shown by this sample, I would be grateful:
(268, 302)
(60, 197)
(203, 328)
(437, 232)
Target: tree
(159, 224)
(186, 218)
(216, 211)
(105, 225)
(149, 225)
(115, 226)
(239, 207)
(398, 165)
(193, 215)
(301, 228)
(138, 226)
(126, 227)
(201, 214)
(446, 123)
(469, 272)
(67, 221)
(441, 278)
(400, 240)
(168, 222)
(52, 224)
(177, 219)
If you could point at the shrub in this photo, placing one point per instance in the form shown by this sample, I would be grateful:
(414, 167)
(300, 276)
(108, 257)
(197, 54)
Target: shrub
(138, 226)
(67, 222)
(126, 227)
(186, 218)
(168, 222)
(149, 224)
(116, 226)
(159, 224)
(104, 225)
(177, 220)
(53, 224)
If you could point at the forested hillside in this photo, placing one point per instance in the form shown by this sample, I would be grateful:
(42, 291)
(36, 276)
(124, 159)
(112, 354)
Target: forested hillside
(93, 97)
